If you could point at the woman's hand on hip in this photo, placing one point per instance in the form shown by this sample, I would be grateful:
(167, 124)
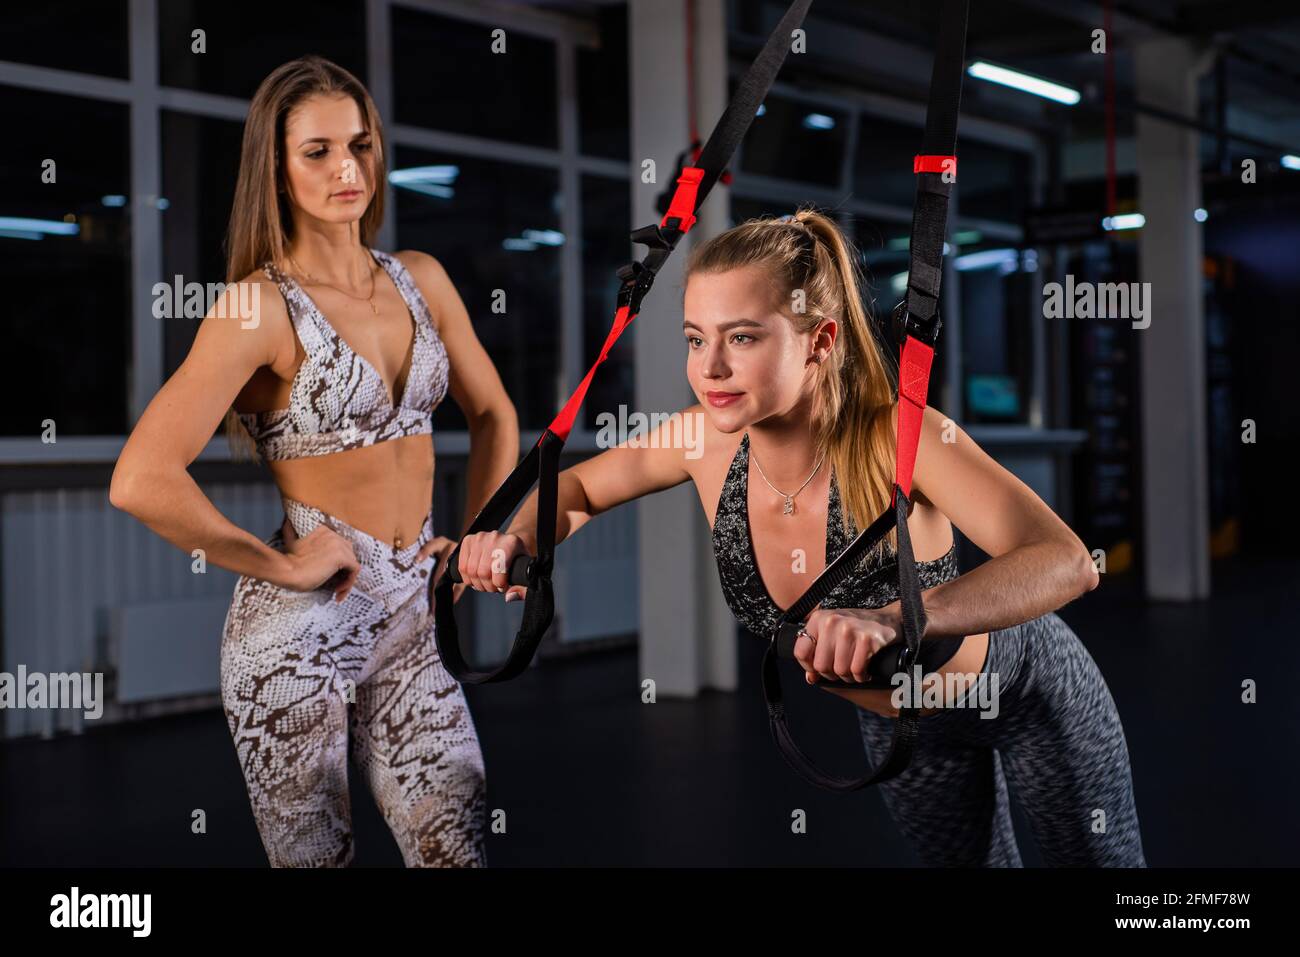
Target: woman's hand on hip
(442, 546)
(842, 641)
(321, 558)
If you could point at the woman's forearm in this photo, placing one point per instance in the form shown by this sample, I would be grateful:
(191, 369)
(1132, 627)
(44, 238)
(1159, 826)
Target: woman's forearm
(572, 511)
(173, 506)
(1016, 587)
(493, 454)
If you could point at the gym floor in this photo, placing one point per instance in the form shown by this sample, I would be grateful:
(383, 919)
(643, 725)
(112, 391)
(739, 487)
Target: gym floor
(588, 775)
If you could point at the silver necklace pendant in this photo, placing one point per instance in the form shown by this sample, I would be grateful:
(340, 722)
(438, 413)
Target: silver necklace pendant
(789, 506)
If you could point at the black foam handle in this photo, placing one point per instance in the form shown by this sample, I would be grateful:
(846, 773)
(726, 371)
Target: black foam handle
(518, 568)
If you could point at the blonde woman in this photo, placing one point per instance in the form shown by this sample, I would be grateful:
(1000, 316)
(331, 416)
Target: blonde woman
(328, 645)
(799, 429)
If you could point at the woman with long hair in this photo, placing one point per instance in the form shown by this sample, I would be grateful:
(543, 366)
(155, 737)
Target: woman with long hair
(331, 377)
(791, 380)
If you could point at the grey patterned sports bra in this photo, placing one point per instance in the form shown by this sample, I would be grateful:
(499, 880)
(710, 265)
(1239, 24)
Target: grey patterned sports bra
(338, 400)
(874, 586)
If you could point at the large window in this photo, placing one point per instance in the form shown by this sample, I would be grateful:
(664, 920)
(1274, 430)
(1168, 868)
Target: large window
(796, 141)
(494, 227)
(242, 41)
(200, 162)
(450, 75)
(65, 240)
(527, 196)
(68, 34)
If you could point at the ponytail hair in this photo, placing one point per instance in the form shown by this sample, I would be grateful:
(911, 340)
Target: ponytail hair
(808, 252)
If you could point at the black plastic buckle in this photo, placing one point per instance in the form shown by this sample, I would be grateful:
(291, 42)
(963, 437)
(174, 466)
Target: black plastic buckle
(652, 236)
(538, 569)
(905, 323)
(904, 662)
(637, 280)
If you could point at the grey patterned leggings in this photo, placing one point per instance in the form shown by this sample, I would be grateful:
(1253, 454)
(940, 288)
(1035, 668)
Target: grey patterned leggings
(1056, 739)
(303, 677)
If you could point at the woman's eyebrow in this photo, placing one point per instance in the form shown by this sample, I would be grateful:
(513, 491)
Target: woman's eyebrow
(726, 325)
(326, 139)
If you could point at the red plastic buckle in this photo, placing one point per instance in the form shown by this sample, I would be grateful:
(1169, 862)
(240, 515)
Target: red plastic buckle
(682, 206)
(933, 164)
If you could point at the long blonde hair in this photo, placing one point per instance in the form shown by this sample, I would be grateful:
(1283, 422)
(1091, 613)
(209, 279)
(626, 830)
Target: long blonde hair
(261, 223)
(855, 389)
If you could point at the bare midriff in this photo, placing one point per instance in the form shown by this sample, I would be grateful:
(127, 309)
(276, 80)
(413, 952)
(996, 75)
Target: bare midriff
(384, 490)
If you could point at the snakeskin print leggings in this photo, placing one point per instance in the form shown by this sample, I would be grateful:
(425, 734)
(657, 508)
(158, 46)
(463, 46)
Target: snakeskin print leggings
(302, 676)
(1056, 739)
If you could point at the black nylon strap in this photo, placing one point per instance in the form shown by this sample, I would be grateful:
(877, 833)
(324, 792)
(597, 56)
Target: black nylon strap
(930, 211)
(541, 461)
(907, 728)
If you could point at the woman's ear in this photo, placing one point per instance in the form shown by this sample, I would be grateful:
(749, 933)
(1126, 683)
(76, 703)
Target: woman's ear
(824, 337)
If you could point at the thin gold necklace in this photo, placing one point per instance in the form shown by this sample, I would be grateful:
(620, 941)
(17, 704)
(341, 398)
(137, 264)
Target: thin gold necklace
(789, 499)
(370, 300)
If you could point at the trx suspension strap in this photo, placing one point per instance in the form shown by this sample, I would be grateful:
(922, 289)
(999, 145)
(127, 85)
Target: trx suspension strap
(916, 322)
(541, 464)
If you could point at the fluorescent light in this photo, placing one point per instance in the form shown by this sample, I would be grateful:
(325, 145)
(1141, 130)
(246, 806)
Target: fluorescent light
(1023, 81)
(51, 227)
(1201, 215)
(430, 180)
(967, 237)
(1291, 161)
(1126, 221)
(514, 242)
(818, 121)
(544, 237)
(898, 283)
(444, 173)
(987, 259)
(762, 108)
(113, 199)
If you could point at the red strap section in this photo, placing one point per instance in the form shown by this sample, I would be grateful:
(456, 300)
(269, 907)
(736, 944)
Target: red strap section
(683, 205)
(562, 424)
(933, 164)
(913, 387)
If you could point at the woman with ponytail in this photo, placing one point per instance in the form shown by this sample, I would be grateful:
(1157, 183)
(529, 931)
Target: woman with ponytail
(791, 380)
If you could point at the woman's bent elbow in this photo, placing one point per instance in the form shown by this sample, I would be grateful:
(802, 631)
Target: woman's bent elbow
(121, 488)
(1089, 578)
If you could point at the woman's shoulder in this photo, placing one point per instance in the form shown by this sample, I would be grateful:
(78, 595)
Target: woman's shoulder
(429, 277)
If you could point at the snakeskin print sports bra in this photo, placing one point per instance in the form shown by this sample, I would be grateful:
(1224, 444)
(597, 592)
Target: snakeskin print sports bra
(875, 584)
(338, 400)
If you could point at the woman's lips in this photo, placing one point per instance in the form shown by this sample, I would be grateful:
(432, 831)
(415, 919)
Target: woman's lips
(722, 399)
(349, 194)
